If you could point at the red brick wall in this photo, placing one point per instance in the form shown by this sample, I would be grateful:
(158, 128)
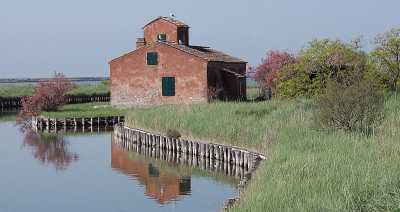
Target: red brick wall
(134, 83)
(161, 26)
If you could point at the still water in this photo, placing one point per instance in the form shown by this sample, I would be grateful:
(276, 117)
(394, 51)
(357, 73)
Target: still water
(90, 172)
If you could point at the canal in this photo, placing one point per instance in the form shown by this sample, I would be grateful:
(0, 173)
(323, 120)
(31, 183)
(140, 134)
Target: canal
(91, 172)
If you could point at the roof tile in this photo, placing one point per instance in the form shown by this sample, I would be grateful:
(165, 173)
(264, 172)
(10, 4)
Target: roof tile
(205, 53)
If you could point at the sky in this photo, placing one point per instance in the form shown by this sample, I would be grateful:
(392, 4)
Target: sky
(79, 37)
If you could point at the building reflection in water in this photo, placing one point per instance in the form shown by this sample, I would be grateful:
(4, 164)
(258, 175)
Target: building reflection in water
(50, 149)
(160, 185)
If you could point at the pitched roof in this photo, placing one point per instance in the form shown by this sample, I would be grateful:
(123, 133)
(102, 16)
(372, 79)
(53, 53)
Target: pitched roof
(169, 19)
(205, 53)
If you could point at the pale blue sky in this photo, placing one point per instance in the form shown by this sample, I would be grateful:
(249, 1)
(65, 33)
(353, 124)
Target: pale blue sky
(80, 37)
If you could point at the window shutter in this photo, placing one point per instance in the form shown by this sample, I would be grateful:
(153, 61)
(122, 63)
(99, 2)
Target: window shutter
(171, 90)
(168, 86)
(152, 58)
(162, 37)
(164, 86)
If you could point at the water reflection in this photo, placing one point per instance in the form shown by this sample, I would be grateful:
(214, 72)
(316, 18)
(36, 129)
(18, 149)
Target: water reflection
(167, 175)
(8, 114)
(49, 149)
(160, 185)
(178, 158)
(91, 184)
(51, 145)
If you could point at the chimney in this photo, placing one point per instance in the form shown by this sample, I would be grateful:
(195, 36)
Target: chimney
(140, 42)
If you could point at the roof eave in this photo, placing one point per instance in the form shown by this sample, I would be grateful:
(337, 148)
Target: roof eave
(127, 53)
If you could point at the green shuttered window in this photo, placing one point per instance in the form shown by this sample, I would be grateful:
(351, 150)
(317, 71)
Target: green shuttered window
(152, 58)
(168, 86)
(162, 37)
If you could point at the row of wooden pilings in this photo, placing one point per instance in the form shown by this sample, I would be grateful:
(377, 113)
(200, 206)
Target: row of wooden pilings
(228, 154)
(73, 129)
(11, 104)
(175, 157)
(46, 122)
(100, 98)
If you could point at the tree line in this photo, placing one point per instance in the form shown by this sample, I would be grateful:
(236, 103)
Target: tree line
(286, 75)
(347, 84)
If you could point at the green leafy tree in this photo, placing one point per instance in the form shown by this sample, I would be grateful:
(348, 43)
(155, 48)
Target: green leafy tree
(319, 62)
(333, 59)
(293, 80)
(386, 56)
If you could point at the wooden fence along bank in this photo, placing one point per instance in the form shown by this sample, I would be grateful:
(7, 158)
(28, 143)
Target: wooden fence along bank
(235, 155)
(175, 157)
(53, 124)
(245, 161)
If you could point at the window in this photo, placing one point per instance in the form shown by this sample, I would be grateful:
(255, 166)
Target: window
(168, 86)
(162, 37)
(152, 58)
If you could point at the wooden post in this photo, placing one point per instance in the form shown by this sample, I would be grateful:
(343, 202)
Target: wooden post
(228, 155)
(190, 147)
(202, 150)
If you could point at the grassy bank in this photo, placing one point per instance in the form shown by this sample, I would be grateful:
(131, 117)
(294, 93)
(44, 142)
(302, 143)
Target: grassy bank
(239, 124)
(306, 169)
(15, 91)
(85, 110)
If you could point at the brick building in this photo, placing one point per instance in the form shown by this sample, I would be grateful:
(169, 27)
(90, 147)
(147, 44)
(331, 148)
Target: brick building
(165, 69)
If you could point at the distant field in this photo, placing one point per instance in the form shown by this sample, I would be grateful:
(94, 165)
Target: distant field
(16, 91)
(73, 79)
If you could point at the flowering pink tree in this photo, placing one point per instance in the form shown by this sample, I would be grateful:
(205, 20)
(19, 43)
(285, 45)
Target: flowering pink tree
(266, 71)
(47, 96)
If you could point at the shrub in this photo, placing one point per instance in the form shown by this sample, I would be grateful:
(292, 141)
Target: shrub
(213, 93)
(171, 133)
(47, 96)
(350, 107)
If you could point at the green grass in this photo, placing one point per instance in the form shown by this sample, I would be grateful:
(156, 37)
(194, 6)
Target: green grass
(230, 123)
(15, 91)
(102, 88)
(306, 169)
(85, 110)
(253, 92)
